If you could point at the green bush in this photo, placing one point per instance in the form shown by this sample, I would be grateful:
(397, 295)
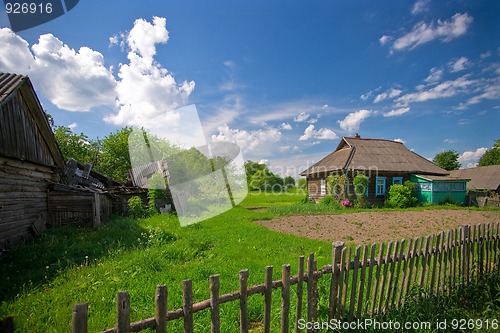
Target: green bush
(360, 183)
(330, 201)
(401, 196)
(136, 208)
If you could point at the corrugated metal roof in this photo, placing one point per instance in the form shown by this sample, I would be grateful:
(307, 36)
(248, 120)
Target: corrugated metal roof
(354, 153)
(481, 178)
(441, 178)
(8, 84)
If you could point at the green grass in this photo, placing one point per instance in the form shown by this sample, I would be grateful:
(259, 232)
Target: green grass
(42, 280)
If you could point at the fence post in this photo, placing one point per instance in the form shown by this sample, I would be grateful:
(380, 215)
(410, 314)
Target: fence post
(243, 301)
(187, 305)
(354, 289)
(161, 308)
(123, 312)
(214, 304)
(465, 253)
(300, 279)
(268, 293)
(285, 298)
(80, 316)
(334, 282)
(310, 289)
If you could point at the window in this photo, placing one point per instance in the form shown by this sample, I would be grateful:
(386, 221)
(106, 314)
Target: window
(323, 187)
(380, 185)
(397, 180)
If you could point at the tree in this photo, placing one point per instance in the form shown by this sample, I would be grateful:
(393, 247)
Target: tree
(289, 182)
(114, 157)
(302, 183)
(77, 146)
(251, 168)
(447, 160)
(492, 156)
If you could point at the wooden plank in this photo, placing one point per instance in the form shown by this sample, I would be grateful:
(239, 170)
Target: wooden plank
(384, 277)
(298, 307)
(214, 304)
(433, 258)
(440, 263)
(285, 298)
(80, 317)
(362, 282)
(346, 279)
(411, 264)
(161, 308)
(243, 301)
(404, 269)
(354, 288)
(448, 270)
(123, 312)
(392, 280)
(310, 289)
(333, 300)
(268, 299)
(187, 305)
(377, 278)
(370, 276)
(341, 305)
(424, 261)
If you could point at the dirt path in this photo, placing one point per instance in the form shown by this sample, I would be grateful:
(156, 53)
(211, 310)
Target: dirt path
(371, 227)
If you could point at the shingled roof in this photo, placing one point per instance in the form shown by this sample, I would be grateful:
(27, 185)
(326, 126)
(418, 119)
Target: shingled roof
(481, 178)
(355, 153)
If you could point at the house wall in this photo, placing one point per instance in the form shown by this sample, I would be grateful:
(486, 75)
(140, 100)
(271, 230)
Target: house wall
(314, 186)
(432, 191)
(23, 198)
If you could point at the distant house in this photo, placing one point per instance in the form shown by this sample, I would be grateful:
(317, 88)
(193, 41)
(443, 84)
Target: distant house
(384, 162)
(484, 179)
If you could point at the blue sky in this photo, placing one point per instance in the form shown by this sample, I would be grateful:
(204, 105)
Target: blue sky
(283, 79)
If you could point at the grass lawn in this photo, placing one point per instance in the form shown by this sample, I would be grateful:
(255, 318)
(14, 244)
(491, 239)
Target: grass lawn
(42, 280)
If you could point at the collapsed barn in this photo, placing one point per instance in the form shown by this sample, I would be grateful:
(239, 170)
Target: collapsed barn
(37, 188)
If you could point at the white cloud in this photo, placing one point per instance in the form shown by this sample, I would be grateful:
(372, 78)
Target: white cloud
(450, 141)
(400, 140)
(72, 126)
(147, 92)
(247, 140)
(303, 116)
(397, 112)
(459, 64)
(72, 80)
(490, 90)
(442, 90)
(470, 159)
(322, 133)
(353, 120)
(445, 31)
(420, 6)
(286, 126)
(388, 94)
(384, 39)
(435, 75)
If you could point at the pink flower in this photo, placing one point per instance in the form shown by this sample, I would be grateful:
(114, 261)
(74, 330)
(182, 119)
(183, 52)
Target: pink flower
(346, 203)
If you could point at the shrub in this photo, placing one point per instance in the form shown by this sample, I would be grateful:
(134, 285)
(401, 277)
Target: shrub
(329, 201)
(306, 199)
(401, 196)
(135, 207)
(360, 188)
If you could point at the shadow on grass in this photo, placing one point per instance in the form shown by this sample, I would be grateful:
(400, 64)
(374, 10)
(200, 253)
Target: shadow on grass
(41, 260)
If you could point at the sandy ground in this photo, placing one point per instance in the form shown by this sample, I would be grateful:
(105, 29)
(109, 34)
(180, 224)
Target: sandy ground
(374, 227)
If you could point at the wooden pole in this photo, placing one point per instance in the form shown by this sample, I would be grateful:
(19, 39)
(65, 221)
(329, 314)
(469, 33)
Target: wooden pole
(187, 305)
(214, 304)
(310, 289)
(268, 293)
(300, 279)
(243, 301)
(161, 308)
(285, 298)
(333, 301)
(123, 312)
(80, 317)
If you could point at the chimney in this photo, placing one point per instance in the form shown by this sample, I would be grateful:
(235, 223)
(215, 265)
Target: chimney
(357, 136)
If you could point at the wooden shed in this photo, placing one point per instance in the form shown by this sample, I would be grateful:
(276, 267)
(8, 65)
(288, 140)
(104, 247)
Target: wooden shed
(29, 160)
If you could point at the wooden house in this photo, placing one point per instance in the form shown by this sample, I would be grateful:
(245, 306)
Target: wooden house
(384, 162)
(484, 182)
(29, 160)
(34, 190)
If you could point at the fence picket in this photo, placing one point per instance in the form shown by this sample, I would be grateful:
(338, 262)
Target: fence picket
(285, 298)
(187, 305)
(268, 299)
(362, 282)
(384, 277)
(354, 288)
(310, 289)
(161, 308)
(370, 276)
(434, 259)
(333, 300)
(298, 307)
(214, 304)
(123, 312)
(377, 278)
(341, 283)
(404, 268)
(80, 318)
(243, 301)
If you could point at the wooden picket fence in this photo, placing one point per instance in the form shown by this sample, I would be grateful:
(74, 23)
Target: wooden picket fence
(362, 282)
